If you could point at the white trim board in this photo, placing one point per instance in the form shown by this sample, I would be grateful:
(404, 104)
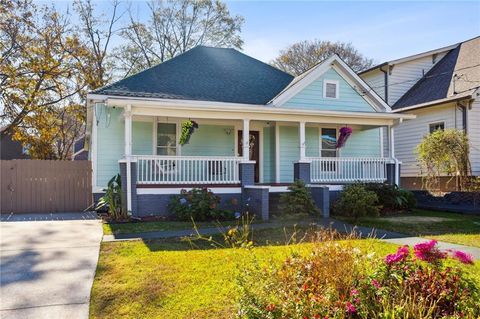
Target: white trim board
(177, 190)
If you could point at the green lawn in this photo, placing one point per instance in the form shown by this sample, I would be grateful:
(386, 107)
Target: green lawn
(148, 226)
(450, 227)
(165, 279)
(140, 227)
(168, 279)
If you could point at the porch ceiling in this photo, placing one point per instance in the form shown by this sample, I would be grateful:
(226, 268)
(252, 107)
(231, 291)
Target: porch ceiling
(224, 111)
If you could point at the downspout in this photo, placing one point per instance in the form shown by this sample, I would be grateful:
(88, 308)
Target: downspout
(385, 74)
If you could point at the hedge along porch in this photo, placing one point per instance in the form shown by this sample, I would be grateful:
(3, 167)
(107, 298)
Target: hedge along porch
(246, 148)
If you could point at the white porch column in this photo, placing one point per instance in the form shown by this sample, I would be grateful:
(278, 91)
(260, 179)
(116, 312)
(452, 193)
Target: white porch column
(246, 140)
(128, 153)
(301, 133)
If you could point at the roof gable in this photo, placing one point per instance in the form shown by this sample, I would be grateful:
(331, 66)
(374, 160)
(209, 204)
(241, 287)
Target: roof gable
(306, 90)
(205, 74)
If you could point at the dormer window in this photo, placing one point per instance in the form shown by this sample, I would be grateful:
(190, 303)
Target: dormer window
(330, 89)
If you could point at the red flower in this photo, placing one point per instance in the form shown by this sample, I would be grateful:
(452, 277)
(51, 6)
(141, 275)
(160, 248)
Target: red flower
(463, 257)
(401, 254)
(270, 307)
(350, 308)
(428, 251)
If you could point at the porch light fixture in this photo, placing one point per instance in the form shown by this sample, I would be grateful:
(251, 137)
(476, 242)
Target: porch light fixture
(228, 131)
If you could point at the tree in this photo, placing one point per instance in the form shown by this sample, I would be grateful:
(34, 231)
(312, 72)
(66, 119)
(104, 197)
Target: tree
(97, 32)
(41, 77)
(444, 153)
(301, 56)
(175, 26)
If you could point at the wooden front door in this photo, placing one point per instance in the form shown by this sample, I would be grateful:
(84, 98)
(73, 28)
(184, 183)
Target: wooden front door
(254, 150)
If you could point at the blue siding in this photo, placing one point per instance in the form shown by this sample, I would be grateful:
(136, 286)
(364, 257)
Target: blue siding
(268, 154)
(211, 140)
(362, 143)
(142, 138)
(289, 152)
(312, 141)
(311, 97)
(111, 145)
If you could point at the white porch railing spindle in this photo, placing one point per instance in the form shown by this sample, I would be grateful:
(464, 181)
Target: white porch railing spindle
(347, 169)
(187, 169)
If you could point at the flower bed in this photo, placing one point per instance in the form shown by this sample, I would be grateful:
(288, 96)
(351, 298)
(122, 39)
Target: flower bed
(338, 281)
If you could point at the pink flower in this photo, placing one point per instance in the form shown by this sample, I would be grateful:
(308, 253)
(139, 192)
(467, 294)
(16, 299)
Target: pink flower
(428, 251)
(353, 292)
(463, 257)
(350, 308)
(401, 254)
(375, 284)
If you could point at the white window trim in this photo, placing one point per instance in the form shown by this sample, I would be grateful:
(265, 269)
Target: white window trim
(436, 122)
(178, 131)
(337, 151)
(337, 85)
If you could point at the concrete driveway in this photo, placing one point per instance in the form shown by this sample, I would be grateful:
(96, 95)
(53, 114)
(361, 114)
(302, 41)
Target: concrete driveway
(48, 264)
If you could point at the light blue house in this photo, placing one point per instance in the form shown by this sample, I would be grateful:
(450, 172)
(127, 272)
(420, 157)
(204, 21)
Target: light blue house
(259, 129)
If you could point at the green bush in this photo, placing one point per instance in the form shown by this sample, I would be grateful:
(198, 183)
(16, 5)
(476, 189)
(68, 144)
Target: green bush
(298, 200)
(393, 198)
(112, 200)
(199, 203)
(356, 201)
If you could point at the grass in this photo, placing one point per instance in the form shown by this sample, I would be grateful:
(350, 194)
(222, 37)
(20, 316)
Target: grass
(449, 227)
(168, 279)
(140, 227)
(149, 226)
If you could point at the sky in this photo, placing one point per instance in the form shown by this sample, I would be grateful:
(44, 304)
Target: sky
(381, 30)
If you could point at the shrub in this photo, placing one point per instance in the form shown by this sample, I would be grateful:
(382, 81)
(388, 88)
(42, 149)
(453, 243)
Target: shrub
(199, 204)
(339, 281)
(112, 200)
(356, 201)
(298, 200)
(393, 198)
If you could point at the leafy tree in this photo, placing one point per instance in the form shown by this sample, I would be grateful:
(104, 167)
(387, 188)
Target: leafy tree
(301, 56)
(444, 153)
(175, 26)
(42, 78)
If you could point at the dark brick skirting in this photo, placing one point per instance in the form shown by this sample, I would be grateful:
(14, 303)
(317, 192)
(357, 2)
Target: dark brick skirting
(461, 202)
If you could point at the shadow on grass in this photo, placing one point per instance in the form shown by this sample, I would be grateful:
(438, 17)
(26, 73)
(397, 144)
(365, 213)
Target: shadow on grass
(285, 235)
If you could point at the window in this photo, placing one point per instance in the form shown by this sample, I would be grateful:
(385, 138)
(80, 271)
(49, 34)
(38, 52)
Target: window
(437, 126)
(166, 139)
(330, 89)
(329, 142)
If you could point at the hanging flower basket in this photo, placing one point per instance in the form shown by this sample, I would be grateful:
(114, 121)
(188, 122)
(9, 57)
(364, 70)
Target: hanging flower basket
(345, 133)
(187, 130)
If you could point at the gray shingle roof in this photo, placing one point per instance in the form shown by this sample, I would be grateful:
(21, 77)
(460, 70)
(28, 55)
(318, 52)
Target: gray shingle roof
(439, 82)
(206, 74)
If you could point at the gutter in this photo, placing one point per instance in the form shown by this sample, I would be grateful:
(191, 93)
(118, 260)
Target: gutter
(433, 103)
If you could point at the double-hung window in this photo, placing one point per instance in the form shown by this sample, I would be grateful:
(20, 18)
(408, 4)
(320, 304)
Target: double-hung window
(166, 139)
(436, 126)
(329, 142)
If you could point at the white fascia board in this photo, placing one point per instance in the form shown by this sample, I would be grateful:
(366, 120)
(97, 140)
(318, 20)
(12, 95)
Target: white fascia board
(433, 103)
(423, 54)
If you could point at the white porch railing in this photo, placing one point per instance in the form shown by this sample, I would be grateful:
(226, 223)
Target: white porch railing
(187, 170)
(348, 169)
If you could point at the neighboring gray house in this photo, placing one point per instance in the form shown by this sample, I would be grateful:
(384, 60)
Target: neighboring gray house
(11, 149)
(441, 87)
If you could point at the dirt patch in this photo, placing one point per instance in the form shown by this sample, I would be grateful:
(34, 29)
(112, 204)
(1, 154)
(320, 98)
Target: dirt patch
(415, 219)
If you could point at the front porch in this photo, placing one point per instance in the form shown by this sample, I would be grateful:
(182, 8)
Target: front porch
(276, 153)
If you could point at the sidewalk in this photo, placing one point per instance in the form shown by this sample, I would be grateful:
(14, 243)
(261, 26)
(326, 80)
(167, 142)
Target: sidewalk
(324, 222)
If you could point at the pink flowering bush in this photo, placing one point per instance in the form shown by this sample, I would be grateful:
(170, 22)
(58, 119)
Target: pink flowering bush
(338, 281)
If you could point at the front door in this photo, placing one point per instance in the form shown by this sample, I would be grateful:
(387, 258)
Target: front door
(254, 150)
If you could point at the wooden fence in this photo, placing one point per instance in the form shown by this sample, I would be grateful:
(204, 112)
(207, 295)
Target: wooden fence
(43, 186)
